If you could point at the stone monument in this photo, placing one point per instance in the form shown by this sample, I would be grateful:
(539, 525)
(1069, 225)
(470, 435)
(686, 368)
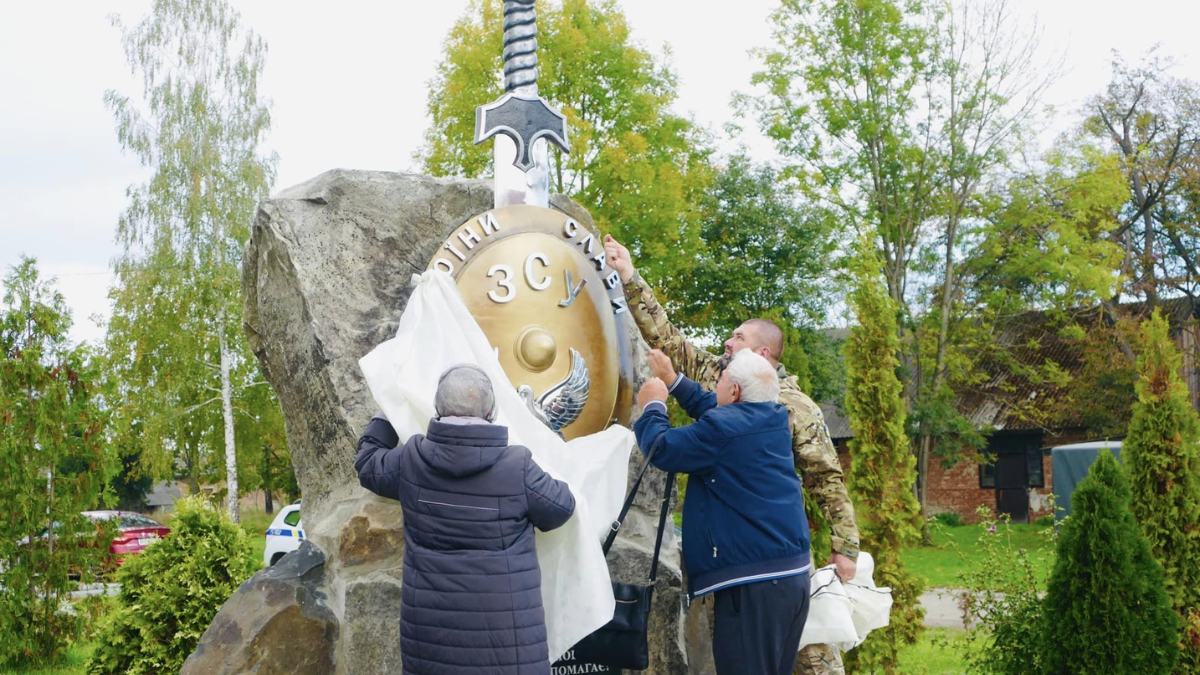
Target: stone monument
(326, 277)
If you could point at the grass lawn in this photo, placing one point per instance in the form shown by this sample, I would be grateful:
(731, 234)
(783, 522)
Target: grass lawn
(255, 523)
(76, 656)
(932, 655)
(941, 563)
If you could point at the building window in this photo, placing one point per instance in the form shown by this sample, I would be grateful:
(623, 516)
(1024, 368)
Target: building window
(987, 472)
(1033, 467)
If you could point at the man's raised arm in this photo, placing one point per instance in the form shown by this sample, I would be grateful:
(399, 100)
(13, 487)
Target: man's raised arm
(821, 471)
(699, 365)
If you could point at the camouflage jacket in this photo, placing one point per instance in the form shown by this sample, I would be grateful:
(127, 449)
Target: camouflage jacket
(812, 448)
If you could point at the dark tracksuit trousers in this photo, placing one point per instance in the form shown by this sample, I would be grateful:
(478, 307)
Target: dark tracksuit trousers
(757, 627)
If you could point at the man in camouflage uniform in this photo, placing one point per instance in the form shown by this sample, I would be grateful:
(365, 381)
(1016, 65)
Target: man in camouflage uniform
(812, 448)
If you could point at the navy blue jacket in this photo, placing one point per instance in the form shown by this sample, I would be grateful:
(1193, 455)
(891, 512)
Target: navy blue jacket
(472, 596)
(743, 514)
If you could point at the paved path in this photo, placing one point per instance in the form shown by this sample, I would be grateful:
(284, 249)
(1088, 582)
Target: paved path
(94, 589)
(941, 607)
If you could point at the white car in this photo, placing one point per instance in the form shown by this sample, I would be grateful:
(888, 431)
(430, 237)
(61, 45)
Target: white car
(284, 535)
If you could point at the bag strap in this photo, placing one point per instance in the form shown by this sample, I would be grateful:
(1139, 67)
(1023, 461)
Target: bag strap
(616, 524)
(668, 489)
(664, 509)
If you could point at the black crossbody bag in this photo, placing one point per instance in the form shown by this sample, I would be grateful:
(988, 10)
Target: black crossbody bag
(623, 642)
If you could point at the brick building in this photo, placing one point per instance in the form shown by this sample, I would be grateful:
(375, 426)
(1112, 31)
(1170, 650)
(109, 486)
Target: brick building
(1014, 475)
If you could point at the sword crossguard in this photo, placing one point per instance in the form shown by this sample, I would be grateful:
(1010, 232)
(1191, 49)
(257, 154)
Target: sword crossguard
(524, 119)
(521, 114)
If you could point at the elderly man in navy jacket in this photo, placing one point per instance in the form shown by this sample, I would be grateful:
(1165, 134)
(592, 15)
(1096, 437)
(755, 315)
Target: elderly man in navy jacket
(472, 597)
(745, 537)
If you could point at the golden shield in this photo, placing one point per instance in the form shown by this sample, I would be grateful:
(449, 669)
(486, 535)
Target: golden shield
(537, 283)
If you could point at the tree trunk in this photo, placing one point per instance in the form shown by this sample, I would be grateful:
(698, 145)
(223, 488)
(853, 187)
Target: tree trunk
(925, 442)
(231, 483)
(268, 483)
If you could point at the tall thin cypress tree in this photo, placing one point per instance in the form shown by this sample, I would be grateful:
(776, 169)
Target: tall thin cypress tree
(1162, 456)
(1106, 609)
(882, 467)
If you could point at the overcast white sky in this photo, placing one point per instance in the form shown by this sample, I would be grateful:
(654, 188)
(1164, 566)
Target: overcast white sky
(348, 84)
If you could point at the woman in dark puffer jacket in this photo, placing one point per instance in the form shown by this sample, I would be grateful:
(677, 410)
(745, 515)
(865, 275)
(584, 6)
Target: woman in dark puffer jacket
(472, 599)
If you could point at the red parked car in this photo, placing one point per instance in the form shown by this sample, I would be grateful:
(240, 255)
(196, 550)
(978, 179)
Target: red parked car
(134, 532)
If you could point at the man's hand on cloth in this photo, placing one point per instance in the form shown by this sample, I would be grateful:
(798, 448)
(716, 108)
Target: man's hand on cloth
(653, 390)
(660, 366)
(618, 258)
(846, 568)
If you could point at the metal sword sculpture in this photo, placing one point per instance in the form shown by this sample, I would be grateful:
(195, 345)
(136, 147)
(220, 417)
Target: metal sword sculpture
(522, 122)
(520, 116)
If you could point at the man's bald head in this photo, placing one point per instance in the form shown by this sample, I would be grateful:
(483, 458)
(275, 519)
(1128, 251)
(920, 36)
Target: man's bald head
(766, 334)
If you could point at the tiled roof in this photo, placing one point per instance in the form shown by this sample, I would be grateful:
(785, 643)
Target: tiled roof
(1010, 400)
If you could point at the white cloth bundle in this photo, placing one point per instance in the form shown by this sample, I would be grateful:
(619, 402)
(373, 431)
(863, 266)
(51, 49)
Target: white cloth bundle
(843, 614)
(436, 331)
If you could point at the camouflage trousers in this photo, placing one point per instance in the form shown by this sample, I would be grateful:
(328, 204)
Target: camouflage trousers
(819, 660)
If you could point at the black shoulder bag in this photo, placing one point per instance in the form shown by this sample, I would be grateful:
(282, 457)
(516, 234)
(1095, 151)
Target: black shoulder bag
(622, 642)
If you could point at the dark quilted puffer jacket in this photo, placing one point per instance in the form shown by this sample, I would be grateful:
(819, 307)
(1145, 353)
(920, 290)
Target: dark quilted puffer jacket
(472, 599)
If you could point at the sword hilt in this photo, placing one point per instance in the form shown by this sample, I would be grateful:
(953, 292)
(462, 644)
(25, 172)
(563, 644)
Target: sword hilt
(520, 46)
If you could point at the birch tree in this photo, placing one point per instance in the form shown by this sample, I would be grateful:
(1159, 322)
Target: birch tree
(197, 124)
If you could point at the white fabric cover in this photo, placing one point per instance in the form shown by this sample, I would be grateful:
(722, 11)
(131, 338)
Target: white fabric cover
(436, 331)
(843, 614)
(829, 611)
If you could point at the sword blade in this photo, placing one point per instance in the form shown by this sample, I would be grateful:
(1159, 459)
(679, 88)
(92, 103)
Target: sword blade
(513, 186)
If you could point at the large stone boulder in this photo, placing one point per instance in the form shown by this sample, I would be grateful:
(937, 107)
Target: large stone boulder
(326, 277)
(277, 623)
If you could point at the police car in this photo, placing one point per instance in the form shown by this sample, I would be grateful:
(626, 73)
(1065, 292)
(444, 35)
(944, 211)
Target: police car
(284, 535)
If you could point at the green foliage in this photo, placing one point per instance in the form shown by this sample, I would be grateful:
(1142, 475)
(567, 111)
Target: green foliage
(177, 353)
(763, 256)
(1162, 456)
(936, 653)
(826, 367)
(638, 168)
(171, 592)
(882, 468)
(54, 463)
(949, 519)
(1106, 608)
(72, 663)
(1003, 601)
(904, 117)
(1150, 120)
(130, 486)
(1047, 240)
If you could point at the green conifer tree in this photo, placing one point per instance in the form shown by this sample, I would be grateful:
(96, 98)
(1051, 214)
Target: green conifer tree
(53, 466)
(171, 592)
(882, 466)
(1106, 609)
(1163, 460)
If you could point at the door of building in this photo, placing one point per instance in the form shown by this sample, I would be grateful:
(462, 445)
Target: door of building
(1012, 486)
(1016, 467)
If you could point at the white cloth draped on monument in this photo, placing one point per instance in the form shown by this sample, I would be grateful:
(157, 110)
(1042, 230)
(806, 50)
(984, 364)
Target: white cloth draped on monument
(843, 614)
(436, 331)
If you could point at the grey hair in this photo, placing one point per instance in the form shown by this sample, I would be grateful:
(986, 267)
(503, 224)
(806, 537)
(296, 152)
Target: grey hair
(464, 390)
(755, 376)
